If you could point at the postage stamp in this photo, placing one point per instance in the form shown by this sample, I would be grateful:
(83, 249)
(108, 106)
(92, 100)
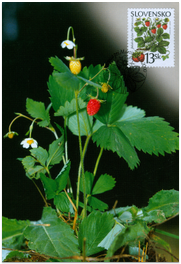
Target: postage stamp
(150, 37)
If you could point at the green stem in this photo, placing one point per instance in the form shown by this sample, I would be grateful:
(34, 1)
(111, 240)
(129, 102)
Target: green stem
(97, 162)
(65, 137)
(81, 156)
(79, 173)
(40, 193)
(68, 32)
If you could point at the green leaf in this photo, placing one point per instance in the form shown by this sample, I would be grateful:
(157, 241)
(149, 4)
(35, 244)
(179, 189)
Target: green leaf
(166, 36)
(139, 39)
(159, 31)
(129, 236)
(107, 241)
(89, 178)
(58, 64)
(12, 232)
(149, 39)
(94, 228)
(50, 186)
(62, 203)
(67, 80)
(97, 204)
(55, 151)
(163, 43)
(85, 121)
(103, 184)
(55, 240)
(112, 138)
(156, 216)
(111, 110)
(116, 79)
(162, 50)
(16, 255)
(35, 171)
(62, 177)
(28, 162)
(59, 95)
(150, 134)
(154, 48)
(70, 107)
(165, 200)
(37, 110)
(131, 113)
(40, 154)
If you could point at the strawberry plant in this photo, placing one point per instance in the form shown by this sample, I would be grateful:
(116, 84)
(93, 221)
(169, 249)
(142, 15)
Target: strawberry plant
(75, 224)
(151, 36)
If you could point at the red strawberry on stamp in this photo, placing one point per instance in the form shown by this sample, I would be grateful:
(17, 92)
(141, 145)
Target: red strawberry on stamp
(147, 23)
(164, 26)
(153, 30)
(141, 57)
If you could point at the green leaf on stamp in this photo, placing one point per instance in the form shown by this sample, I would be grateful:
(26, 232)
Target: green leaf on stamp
(141, 44)
(154, 48)
(163, 43)
(149, 39)
(159, 38)
(166, 36)
(159, 31)
(162, 50)
(139, 39)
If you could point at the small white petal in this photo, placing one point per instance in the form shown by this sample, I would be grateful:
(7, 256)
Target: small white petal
(67, 44)
(34, 145)
(26, 145)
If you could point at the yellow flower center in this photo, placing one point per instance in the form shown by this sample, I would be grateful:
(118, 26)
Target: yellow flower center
(66, 43)
(30, 141)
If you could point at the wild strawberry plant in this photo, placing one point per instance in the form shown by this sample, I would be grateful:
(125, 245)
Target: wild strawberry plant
(151, 35)
(92, 104)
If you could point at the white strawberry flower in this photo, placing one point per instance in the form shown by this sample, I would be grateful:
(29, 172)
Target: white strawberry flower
(27, 142)
(67, 44)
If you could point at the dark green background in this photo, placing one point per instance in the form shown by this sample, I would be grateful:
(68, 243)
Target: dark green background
(32, 33)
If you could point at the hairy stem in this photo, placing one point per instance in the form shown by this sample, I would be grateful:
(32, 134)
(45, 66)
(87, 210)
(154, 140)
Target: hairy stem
(97, 162)
(81, 156)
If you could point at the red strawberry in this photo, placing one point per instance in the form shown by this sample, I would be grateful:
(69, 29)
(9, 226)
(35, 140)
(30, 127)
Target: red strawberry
(147, 23)
(135, 59)
(164, 26)
(158, 26)
(153, 30)
(141, 57)
(93, 107)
